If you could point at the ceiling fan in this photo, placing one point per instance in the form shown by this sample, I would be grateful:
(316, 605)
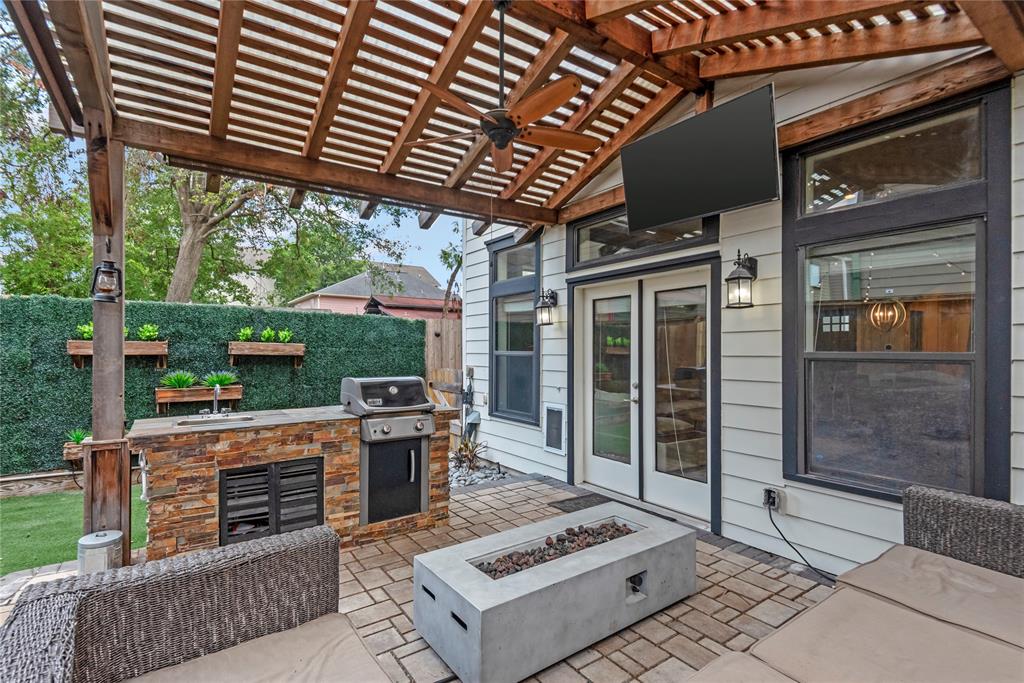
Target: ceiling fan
(508, 122)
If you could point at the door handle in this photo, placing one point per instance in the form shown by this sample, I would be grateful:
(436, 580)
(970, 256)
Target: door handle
(412, 466)
(632, 399)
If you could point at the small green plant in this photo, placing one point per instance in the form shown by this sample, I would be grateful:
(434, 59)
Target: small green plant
(148, 332)
(125, 332)
(223, 378)
(78, 435)
(267, 335)
(84, 331)
(179, 379)
(468, 451)
(284, 336)
(245, 334)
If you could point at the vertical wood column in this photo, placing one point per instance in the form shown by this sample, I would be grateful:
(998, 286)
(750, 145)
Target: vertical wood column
(107, 461)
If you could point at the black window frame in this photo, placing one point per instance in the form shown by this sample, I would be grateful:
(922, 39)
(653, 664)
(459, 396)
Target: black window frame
(527, 284)
(986, 201)
(709, 235)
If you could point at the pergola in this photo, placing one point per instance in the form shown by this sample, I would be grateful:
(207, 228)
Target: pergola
(318, 95)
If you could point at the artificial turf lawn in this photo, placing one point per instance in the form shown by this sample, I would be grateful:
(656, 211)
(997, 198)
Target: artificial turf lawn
(43, 529)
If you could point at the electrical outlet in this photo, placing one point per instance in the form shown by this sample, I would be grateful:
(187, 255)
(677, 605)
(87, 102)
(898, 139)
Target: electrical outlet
(771, 499)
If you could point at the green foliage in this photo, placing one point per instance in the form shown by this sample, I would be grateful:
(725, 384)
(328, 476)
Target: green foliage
(222, 377)
(284, 336)
(267, 335)
(78, 435)
(245, 334)
(148, 332)
(179, 379)
(84, 331)
(45, 395)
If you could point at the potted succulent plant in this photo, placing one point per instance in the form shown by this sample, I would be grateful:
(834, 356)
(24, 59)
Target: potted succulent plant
(147, 343)
(180, 386)
(271, 343)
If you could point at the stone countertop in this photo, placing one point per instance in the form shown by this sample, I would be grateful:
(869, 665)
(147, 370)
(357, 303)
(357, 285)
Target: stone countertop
(160, 426)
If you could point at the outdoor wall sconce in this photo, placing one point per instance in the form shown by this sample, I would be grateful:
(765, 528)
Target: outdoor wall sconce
(888, 315)
(107, 283)
(739, 290)
(546, 302)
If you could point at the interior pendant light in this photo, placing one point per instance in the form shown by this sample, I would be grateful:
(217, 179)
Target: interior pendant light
(888, 315)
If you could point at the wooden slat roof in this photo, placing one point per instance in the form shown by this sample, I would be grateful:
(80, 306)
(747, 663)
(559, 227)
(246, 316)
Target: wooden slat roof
(635, 61)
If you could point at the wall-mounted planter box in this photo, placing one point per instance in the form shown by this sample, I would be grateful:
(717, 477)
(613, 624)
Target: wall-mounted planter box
(165, 396)
(80, 349)
(295, 350)
(73, 454)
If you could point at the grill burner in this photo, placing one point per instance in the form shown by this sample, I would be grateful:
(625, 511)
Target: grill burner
(394, 434)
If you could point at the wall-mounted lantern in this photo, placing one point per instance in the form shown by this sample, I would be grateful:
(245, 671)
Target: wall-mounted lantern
(738, 283)
(107, 283)
(546, 302)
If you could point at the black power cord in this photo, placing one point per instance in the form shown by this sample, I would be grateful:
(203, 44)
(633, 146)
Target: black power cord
(825, 575)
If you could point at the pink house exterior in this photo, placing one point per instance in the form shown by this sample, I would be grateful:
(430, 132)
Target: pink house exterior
(351, 296)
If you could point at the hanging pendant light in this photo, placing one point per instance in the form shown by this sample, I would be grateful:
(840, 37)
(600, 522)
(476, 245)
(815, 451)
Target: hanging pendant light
(888, 315)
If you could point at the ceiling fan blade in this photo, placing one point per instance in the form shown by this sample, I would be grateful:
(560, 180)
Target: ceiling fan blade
(502, 158)
(556, 137)
(446, 138)
(542, 102)
(452, 99)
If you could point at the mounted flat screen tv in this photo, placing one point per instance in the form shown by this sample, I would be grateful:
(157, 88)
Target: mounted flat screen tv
(724, 159)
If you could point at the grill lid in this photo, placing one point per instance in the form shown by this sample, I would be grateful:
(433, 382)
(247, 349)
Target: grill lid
(381, 395)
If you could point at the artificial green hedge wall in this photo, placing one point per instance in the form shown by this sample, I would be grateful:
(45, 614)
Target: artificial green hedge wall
(42, 395)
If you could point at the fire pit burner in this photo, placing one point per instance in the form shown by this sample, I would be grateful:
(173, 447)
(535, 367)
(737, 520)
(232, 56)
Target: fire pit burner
(566, 543)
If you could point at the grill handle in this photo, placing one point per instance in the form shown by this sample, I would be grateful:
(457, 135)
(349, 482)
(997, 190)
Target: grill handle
(412, 466)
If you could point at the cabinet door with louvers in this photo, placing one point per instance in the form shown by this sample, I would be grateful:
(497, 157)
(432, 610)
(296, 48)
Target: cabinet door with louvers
(270, 499)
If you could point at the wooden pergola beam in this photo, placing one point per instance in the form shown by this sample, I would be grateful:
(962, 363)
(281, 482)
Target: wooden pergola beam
(295, 170)
(772, 17)
(229, 33)
(357, 20)
(599, 11)
(619, 38)
(952, 80)
(1002, 25)
(891, 40)
(79, 25)
(610, 89)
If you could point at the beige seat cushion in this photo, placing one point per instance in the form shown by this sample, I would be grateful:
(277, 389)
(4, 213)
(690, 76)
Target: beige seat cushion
(325, 649)
(856, 637)
(960, 593)
(738, 667)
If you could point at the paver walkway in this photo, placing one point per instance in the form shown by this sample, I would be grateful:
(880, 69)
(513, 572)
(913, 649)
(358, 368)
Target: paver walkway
(743, 595)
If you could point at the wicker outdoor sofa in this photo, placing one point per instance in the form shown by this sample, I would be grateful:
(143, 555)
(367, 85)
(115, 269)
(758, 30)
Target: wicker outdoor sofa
(948, 605)
(260, 610)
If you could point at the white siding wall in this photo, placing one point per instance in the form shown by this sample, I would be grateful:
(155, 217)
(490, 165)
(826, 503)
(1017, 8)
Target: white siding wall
(1017, 346)
(833, 529)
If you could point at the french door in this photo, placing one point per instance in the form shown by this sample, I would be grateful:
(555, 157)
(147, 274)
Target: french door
(645, 389)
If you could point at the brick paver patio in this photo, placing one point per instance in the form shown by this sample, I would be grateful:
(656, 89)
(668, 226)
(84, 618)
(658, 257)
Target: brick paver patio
(743, 595)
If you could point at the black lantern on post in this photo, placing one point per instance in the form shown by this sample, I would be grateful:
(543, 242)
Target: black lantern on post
(546, 302)
(107, 283)
(739, 283)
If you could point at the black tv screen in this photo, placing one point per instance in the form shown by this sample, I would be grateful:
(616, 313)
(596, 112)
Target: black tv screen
(723, 159)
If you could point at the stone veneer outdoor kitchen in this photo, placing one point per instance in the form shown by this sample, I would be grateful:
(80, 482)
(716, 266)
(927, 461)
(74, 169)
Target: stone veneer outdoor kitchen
(182, 466)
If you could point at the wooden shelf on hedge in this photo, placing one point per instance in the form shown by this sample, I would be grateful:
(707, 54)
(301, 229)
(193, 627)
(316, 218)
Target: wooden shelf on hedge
(238, 348)
(232, 393)
(80, 349)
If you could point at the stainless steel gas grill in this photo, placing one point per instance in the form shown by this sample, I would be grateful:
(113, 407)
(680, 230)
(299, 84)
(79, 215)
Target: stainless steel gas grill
(394, 452)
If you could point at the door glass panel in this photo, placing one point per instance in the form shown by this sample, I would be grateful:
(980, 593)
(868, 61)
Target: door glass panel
(612, 376)
(680, 367)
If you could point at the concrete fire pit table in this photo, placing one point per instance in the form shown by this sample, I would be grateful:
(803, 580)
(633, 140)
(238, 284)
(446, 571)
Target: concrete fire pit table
(506, 629)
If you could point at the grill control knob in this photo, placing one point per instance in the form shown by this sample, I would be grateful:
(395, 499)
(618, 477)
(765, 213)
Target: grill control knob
(419, 425)
(386, 428)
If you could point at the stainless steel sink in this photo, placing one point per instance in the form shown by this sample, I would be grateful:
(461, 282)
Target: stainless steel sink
(212, 419)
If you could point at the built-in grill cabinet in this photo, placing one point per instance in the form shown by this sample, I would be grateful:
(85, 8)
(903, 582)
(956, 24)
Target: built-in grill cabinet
(394, 479)
(270, 499)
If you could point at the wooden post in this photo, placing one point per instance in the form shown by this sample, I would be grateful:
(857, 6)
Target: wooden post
(705, 98)
(107, 461)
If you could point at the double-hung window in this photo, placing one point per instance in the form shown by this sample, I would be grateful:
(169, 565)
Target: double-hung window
(895, 304)
(514, 373)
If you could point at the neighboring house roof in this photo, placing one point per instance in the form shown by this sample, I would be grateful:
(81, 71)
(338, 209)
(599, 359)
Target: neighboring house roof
(416, 282)
(412, 307)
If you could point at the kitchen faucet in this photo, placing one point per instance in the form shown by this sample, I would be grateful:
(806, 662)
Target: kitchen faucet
(216, 399)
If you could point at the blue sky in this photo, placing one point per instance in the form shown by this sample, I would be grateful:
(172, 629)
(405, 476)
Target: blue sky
(424, 245)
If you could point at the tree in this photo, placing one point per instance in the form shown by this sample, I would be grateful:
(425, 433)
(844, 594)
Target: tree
(451, 258)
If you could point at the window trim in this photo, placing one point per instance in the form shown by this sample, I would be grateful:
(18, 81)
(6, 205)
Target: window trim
(527, 284)
(988, 200)
(709, 235)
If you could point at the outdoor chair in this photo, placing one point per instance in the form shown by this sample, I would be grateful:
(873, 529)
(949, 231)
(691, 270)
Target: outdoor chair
(265, 609)
(946, 606)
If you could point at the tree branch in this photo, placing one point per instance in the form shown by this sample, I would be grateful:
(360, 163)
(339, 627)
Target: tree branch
(238, 203)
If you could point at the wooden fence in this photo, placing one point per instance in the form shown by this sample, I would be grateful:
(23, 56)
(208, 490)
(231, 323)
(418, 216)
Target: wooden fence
(443, 355)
